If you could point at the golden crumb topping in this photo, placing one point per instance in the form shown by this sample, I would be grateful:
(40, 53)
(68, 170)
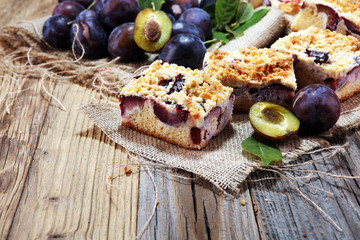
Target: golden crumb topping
(319, 39)
(342, 50)
(252, 67)
(195, 90)
(349, 9)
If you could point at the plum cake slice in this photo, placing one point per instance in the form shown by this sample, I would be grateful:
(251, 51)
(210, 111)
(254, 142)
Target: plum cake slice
(179, 105)
(342, 16)
(255, 75)
(324, 57)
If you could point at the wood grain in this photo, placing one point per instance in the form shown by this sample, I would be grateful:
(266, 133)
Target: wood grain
(66, 194)
(19, 132)
(56, 167)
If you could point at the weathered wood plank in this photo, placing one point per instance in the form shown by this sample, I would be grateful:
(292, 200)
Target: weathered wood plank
(66, 195)
(192, 209)
(19, 132)
(285, 214)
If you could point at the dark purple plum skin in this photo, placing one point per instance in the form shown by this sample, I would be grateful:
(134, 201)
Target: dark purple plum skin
(113, 13)
(85, 3)
(121, 43)
(171, 17)
(175, 118)
(200, 18)
(68, 9)
(185, 27)
(86, 14)
(56, 31)
(177, 7)
(184, 50)
(317, 107)
(91, 35)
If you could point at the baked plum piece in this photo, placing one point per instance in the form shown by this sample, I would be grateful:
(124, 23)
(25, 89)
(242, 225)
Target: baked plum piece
(179, 105)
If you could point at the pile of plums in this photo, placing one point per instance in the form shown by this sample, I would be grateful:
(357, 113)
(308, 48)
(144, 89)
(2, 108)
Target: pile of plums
(117, 28)
(315, 109)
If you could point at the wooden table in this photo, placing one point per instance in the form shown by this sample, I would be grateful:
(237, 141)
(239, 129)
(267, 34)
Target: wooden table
(56, 166)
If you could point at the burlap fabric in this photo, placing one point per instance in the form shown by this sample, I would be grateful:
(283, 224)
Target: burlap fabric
(223, 162)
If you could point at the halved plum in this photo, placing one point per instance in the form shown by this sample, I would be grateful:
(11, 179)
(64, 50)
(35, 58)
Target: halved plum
(152, 29)
(273, 122)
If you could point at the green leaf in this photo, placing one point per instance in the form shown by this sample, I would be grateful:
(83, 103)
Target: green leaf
(210, 9)
(256, 17)
(225, 11)
(220, 36)
(155, 4)
(244, 12)
(236, 34)
(266, 153)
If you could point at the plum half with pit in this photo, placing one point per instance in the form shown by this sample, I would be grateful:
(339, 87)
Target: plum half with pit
(317, 107)
(184, 50)
(152, 29)
(273, 122)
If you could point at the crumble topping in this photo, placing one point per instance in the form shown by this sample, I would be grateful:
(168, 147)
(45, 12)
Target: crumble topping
(197, 91)
(252, 67)
(342, 50)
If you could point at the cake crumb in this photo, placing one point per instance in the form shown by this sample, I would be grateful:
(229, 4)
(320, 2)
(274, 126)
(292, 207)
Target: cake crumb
(243, 202)
(127, 170)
